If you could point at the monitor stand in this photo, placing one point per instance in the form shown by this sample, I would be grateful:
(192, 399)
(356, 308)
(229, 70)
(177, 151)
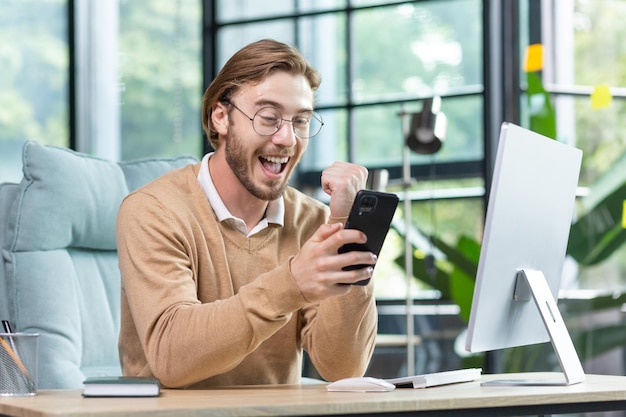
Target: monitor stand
(531, 283)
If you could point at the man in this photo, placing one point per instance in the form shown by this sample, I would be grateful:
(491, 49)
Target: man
(227, 272)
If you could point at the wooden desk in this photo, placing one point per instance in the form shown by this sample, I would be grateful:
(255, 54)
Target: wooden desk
(597, 393)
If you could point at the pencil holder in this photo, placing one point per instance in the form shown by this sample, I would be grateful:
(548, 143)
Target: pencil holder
(18, 364)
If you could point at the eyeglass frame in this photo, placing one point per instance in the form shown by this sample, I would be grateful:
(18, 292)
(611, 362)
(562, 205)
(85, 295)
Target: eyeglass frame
(314, 114)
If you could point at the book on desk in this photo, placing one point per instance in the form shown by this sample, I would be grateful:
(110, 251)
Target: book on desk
(121, 386)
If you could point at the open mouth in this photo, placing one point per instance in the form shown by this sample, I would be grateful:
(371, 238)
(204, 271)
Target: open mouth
(274, 164)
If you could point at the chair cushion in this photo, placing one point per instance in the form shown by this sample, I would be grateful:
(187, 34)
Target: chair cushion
(61, 277)
(71, 298)
(70, 199)
(8, 193)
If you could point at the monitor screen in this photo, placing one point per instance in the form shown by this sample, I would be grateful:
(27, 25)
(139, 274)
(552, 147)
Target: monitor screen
(529, 214)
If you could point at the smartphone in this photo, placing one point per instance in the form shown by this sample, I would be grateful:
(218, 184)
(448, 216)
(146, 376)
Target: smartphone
(371, 213)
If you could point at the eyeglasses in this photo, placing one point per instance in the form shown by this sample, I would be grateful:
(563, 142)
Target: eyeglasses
(269, 119)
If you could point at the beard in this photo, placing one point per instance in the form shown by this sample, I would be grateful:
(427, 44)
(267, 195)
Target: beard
(237, 160)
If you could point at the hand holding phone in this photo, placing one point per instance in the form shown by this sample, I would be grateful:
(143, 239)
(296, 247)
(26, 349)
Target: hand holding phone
(371, 213)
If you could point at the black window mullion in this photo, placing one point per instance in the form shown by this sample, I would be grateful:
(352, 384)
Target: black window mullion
(71, 84)
(209, 53)
(349, 73)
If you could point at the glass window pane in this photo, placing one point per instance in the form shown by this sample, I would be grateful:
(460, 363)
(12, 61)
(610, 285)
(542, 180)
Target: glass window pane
(588, 42)
(232, 38)
(599, 133)
(329, 145)
(378, 135)
(319, 5)
(361, 3)
(430, 217)
(584, 49)
(322, 41)
(608, 274)
(416, 48)
(238, 10)
(380, 140)
(465, 133)
(235, 10)
(33, 80)
(598, 30)
(441, 217)
(161, 76)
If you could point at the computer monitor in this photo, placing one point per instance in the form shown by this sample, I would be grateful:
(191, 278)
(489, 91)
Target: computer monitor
(529, 214)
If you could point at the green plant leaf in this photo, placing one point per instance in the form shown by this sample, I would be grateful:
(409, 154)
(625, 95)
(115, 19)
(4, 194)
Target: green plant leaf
(465, 256)
(577, 307)
(542, 116)
(439, 280)
(462, 292)
(599, 340)
(599, 231)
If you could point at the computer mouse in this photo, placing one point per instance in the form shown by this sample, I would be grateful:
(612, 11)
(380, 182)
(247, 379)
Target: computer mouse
(361, 384)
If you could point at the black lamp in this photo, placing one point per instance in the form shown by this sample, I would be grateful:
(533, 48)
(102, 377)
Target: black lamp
(428, 128)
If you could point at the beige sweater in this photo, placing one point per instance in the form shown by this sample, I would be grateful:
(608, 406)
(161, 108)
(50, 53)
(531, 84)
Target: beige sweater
(204, 305)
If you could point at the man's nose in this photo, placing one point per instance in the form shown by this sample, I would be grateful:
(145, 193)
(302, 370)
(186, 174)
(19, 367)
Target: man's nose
(285, 136)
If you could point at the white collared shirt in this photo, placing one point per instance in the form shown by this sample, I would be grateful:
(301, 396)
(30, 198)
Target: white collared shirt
(275, 212)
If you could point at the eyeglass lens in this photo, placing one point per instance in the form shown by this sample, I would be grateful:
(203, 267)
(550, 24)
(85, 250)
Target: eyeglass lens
(268, 120)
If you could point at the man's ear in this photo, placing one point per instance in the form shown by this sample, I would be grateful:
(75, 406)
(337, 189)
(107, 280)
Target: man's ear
(219, 117)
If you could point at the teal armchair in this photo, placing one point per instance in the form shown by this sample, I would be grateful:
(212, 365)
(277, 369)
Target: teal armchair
(59, 275)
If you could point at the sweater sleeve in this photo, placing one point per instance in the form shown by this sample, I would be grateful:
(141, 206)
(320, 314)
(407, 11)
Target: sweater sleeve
(180, 339)
(340, 333)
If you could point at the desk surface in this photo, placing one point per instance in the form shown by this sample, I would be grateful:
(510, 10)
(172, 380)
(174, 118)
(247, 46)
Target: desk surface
(597, 393)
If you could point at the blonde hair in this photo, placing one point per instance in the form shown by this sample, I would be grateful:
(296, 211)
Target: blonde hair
(250, 65)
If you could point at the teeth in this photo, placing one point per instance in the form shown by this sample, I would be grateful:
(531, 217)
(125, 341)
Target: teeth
(276, 159)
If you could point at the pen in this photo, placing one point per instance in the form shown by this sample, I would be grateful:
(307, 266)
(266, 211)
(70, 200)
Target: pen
(7, 326)
(9, 330)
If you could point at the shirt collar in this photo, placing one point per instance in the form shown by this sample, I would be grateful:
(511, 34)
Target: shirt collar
(274, 214)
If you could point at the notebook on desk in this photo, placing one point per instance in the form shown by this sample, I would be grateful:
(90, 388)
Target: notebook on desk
(121, 386)
(437, 378)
